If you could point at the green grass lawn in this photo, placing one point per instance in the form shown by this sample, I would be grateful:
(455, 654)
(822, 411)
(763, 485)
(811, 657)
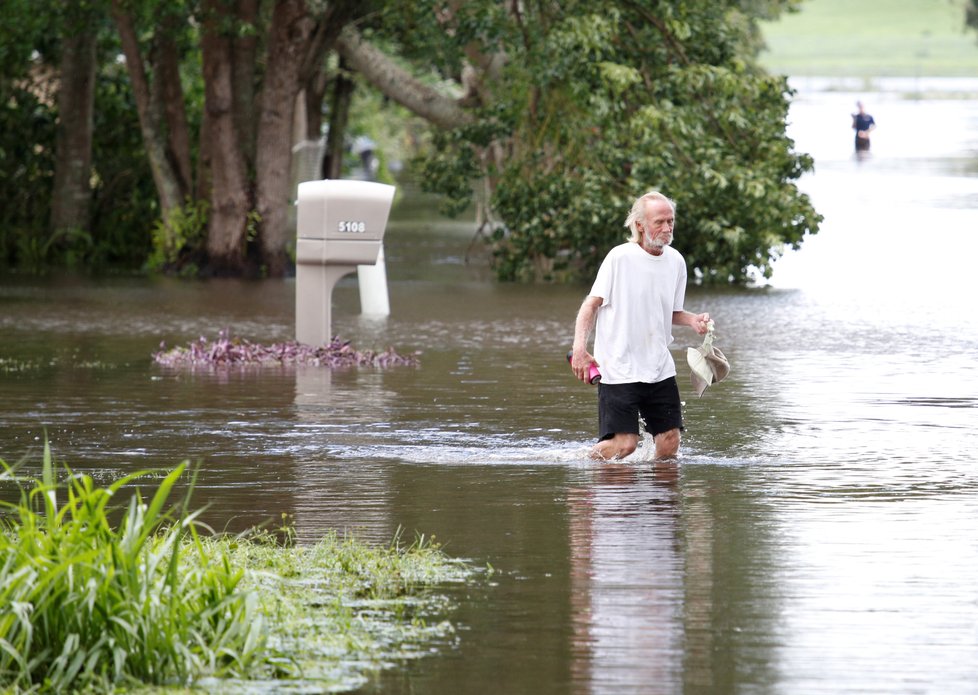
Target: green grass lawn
(872, 38)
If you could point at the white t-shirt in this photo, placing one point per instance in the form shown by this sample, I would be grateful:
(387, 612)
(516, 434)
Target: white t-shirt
(639, 292)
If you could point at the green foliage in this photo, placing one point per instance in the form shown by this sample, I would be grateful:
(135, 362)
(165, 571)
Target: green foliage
(88, 604)
(180, 239)
(731, 172)
(123, 196)
(449, 169)
(72, 245)
(598, 105)
(26, 174)
(544, 246)
(124, 202)
(25, 25)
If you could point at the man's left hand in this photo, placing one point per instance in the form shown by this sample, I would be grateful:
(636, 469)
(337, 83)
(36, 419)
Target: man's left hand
(701, 323)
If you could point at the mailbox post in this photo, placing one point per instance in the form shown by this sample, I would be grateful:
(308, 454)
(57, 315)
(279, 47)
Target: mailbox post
(340, 225)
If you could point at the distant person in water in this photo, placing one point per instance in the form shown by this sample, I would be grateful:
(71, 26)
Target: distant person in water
(863, 124)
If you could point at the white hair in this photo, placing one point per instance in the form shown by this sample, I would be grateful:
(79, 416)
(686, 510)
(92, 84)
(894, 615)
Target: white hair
(637, 213)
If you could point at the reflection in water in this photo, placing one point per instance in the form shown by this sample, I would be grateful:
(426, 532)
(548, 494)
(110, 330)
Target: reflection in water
(627, 580)
(336, 412)
(667, 594)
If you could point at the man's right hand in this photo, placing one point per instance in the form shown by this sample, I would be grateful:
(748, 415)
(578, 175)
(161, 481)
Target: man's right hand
(581, 361)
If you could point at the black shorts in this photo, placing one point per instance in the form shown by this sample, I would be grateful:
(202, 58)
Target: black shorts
(620, 405)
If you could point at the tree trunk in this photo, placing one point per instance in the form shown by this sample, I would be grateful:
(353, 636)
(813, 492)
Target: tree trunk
(168, 92)
(339, 114)
(313, 73)
(227, 225)
(72, 195)
(150, 120)
(314, 80)
(315, 90)
(288, 37)
(203, 183)
(395, 82)
(244, 51)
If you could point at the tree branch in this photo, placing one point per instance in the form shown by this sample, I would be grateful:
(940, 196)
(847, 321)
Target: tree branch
(397, 83)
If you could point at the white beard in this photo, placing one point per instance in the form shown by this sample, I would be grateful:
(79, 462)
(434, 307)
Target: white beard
(657, 244)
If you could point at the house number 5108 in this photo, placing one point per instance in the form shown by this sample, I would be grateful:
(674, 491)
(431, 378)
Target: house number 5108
(352, 226)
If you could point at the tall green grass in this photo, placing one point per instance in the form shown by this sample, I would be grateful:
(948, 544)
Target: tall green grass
(97, 598)
(85, 603)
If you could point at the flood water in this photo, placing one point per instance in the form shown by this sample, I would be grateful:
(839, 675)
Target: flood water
(818, 534)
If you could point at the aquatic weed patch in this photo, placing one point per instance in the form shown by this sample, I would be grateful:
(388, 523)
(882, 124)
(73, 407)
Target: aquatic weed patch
(228, 351)
(9, 365)
(150, 601)
(341, 610)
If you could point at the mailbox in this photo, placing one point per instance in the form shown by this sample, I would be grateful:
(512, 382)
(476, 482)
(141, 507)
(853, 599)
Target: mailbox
(340, 226)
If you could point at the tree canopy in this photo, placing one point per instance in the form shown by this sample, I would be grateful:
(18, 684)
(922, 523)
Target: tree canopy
(580, 108)
(551, 116)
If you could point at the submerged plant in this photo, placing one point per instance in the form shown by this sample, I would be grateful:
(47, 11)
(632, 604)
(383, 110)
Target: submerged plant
(339, 608)
(95, 598)
(229, 351)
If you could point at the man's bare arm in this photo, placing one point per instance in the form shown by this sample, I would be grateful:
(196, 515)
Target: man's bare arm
(698, 322)
(582, 359)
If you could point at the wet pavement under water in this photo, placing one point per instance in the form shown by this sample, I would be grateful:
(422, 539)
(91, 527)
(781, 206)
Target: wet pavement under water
(818, 534)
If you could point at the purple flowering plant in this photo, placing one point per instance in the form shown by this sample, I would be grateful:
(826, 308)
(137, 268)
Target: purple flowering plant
(230, 351)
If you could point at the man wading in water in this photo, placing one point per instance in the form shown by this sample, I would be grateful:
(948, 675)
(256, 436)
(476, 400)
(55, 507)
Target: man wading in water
(863, 124)
(637, 296)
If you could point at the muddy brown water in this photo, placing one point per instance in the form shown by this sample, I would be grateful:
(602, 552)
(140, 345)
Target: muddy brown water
(818, 534)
